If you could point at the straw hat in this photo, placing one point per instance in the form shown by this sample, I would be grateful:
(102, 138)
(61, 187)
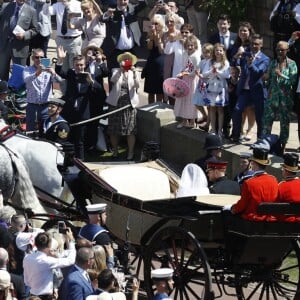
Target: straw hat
(127, 56)
(93, 47)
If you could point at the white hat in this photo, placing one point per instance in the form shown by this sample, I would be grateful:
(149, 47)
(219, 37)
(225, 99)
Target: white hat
(4, 279)
(162, 273)
(96, 208)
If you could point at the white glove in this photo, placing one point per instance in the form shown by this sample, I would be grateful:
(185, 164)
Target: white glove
(227, 207)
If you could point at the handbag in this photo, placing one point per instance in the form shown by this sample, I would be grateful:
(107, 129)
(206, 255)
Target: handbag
(101, 142)
(215, 85)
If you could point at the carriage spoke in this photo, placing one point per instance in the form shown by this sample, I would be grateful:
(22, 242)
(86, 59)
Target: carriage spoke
(192, 292)
(262, 292)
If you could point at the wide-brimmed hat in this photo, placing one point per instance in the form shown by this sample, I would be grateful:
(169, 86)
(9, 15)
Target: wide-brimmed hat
(260, 156)
(92, 47)
(3, 87)
(291, 162)
(127, 56)
(212, 142)
(56, 101)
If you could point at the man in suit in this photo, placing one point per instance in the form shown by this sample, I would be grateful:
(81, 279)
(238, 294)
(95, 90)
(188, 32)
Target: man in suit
(16, 280)
(18, 25)
(77, 284)
(80, 93)
(250, 88)
(122, 30)
(224, 36)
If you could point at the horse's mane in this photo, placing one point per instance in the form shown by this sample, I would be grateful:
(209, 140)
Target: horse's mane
(24, 194)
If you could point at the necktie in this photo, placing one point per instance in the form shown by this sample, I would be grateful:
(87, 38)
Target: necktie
(14, 19)
(64, 23)
(222, 40)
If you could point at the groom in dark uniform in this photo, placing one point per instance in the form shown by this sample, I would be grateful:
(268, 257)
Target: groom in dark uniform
(55, 127)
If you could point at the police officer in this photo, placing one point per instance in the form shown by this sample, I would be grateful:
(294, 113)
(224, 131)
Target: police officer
(163, 281)
(95, 231)
(213, 146)
(216, 170)
(55, 127)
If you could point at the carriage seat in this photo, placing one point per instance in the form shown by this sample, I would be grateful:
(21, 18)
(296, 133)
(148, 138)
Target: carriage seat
(140, 182)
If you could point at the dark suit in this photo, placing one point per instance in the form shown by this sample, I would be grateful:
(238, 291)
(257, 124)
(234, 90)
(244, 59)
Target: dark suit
(10, 47)
(80, 100)
(19, 286)
(75, 286)
(256, 93)
(97, 101)
(215, 38)
(113, 31)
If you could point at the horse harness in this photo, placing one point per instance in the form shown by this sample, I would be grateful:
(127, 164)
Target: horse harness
(6, 133)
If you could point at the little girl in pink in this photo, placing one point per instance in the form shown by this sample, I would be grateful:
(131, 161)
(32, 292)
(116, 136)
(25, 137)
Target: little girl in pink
(184, 108)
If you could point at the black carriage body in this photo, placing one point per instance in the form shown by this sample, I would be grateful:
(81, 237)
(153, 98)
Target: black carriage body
(260, 260)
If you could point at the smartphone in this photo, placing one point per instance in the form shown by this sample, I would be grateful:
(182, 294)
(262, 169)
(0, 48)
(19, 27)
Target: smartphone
(46, 62)
(82, 77)
(62, 227)
(76, 14)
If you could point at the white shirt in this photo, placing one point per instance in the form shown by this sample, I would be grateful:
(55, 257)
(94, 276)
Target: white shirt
(58, 10)
(38, 266)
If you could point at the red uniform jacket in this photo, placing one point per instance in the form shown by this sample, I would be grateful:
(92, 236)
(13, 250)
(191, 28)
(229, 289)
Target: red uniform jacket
(260, 188)
(289, 191)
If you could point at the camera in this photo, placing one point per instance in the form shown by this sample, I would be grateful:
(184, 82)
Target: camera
(62, 227)
(161, 2)
(247, 54)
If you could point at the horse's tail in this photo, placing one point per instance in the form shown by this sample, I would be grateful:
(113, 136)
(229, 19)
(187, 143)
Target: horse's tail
(24, 194)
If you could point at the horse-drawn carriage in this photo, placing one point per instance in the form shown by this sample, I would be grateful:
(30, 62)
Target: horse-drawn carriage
(210, 256)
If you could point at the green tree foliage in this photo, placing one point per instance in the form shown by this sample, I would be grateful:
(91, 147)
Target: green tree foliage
(236, 9)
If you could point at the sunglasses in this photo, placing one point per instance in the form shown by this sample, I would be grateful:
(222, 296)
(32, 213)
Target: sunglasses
(154, 23)
(38, 57)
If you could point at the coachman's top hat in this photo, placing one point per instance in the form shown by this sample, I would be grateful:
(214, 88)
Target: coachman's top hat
(213, 142)
(260, 156)
(291, 162)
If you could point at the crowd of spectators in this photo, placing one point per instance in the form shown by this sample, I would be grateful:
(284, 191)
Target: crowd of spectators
(229, 77)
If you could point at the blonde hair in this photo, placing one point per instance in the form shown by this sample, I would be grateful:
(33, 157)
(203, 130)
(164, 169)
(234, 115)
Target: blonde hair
(100, 258)
(208, 47)
(91, 4)
(224, 58)
(191, 39)
(54, 234)
(172, 17)
(158, 19)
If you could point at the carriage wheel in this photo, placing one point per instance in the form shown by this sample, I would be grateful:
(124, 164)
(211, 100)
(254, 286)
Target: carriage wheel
(174, 247)
(281, 282)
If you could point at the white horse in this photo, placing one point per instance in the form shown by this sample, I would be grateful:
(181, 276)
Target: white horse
(36, 164)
